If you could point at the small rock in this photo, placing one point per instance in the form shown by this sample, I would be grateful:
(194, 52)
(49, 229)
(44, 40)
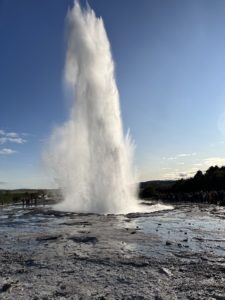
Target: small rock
(218, 297)
(5, 287)
(48, 238)
(168, 243)
(157, 297)
(84, 239)
(63, 287)
(166, 271)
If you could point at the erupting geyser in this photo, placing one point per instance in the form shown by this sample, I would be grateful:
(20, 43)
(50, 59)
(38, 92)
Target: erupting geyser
(89, 155)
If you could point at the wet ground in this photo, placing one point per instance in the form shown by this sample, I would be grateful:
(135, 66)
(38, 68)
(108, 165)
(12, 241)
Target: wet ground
(170, 254)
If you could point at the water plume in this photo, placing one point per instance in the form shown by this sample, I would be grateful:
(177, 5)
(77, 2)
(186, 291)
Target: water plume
(89, 155)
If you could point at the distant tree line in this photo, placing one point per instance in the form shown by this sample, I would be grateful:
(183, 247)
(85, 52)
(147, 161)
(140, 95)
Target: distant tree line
(212, 180)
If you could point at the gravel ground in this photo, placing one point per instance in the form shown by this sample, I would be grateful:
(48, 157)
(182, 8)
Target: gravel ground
(171, 254)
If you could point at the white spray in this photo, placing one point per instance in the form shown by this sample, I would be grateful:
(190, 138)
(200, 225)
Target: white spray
(89, 155)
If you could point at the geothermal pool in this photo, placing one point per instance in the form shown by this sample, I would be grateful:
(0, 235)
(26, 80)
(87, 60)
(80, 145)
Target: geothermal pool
(170, 254)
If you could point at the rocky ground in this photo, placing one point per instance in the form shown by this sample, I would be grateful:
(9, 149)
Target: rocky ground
(171, 254)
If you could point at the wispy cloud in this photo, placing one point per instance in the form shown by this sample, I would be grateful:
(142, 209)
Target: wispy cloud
(176, 174)
(181, 155)
(11, 137)
(7, 151)
(17, 140)
(198, 165)
(183, 174)
(171, 175)
(202, 165)
(187, 154)
(214, 161)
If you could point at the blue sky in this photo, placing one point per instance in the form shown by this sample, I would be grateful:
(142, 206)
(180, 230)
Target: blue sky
(170, 69)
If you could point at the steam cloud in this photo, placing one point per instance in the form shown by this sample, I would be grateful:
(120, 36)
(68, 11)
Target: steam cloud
(89, 155)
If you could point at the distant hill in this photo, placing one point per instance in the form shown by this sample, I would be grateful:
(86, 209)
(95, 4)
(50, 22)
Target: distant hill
(161, 184)
(152, 188)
